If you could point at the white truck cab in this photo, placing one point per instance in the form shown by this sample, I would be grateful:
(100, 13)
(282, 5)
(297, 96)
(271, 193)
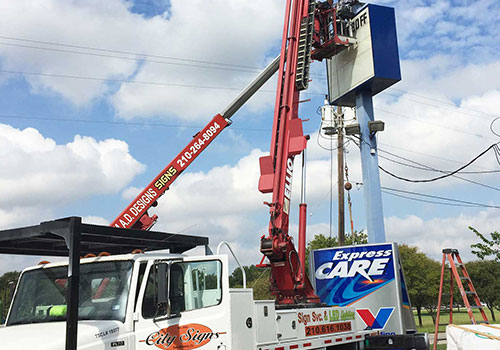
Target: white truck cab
(164, 301)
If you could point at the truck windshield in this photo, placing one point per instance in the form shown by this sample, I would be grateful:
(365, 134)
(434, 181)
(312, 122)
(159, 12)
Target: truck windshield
(41, 296)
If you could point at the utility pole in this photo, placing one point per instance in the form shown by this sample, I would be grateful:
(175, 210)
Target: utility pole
(340, 172)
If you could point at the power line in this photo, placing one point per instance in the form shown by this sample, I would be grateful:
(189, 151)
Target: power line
(67, 119)
(141, 82)
(427, 167)
(457, 109)
(66, 76)
(435, 124)
(494, 147)
(125, 58)
(425, 154)
(441, 198)
(431, 169)
(497, 154)
(126, 52)
(429, 201)
(127, 81)
(223, 66)
(183, 59)
(439, 101)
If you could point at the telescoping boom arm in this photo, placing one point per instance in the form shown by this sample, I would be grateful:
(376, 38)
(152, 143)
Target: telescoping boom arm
(311, 31)
(136, 214)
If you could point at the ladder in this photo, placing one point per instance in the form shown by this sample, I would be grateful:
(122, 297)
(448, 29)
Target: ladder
(458, 273)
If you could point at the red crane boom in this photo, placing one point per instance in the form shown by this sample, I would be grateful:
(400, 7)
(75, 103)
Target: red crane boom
(311, 31)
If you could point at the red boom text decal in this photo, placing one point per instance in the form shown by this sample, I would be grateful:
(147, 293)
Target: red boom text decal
(161, 183)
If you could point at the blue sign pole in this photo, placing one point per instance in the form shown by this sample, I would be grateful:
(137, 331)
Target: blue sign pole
(369, 164)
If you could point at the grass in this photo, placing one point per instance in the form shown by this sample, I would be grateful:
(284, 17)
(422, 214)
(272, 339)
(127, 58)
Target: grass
(459, 318)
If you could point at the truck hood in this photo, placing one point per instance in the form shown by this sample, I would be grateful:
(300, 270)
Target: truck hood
(52, 335)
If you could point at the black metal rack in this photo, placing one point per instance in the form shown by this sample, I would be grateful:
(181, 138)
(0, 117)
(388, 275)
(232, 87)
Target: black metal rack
(70, 237)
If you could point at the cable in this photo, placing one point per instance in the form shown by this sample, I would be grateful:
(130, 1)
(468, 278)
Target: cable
(126, 52)
(65, 119)
(129, 81)
(435, 124)
(441, 198)
(125, 58)
(491, 126)
(428, 201)
(141, 82)
(422, 153)
(213, 88)
(439, 101)
(427, 168)
(431, 105)
(497, 154)
(494, 146)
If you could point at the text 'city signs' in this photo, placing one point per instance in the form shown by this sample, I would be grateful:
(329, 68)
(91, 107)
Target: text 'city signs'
(190, 336)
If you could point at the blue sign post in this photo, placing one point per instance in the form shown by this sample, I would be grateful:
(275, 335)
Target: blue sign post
(369, 164)
(356, 74)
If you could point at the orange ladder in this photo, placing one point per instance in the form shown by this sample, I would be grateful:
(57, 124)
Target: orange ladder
(451, 255)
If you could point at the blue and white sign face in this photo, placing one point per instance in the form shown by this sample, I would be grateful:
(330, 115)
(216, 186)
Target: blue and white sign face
(370, 64)
(346, 275)
(369, 278)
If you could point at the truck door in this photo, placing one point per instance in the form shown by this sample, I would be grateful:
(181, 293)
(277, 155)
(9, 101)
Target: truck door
(197, 312)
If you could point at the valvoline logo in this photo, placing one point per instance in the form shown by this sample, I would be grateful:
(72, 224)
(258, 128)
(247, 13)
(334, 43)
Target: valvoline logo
(375, 322)
(345, 275)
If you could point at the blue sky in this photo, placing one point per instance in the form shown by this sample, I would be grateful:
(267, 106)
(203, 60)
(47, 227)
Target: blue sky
(86, 120)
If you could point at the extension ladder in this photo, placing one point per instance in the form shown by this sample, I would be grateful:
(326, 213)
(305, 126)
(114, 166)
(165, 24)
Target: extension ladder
(451, 255)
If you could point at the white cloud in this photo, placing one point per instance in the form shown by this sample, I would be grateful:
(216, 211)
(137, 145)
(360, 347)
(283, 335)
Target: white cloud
(92, 23)
(201, 32)
(433, 235)
(39, 174)
(224, 31)
(95, 220)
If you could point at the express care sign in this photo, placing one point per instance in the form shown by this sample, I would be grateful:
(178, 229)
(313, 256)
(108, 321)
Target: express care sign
(367, 277)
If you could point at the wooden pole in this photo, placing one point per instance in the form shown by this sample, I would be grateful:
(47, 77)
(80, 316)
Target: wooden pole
(340, 171)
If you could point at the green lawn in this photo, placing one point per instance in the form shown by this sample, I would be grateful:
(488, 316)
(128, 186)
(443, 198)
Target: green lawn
(458, 318)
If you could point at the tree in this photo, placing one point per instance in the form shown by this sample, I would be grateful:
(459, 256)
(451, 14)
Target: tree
(485, 275)
(252, 272)
(422, 276)
(321, 241)
(257, 279)
(488, 247)
(8, 282)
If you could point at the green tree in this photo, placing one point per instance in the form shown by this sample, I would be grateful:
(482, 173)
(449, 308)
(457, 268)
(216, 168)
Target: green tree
(8, 282)
(488, 247)
(257, 279)
(321, 241)
(252, 272)
(485, 275)
(422, 276)
(261, 286)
